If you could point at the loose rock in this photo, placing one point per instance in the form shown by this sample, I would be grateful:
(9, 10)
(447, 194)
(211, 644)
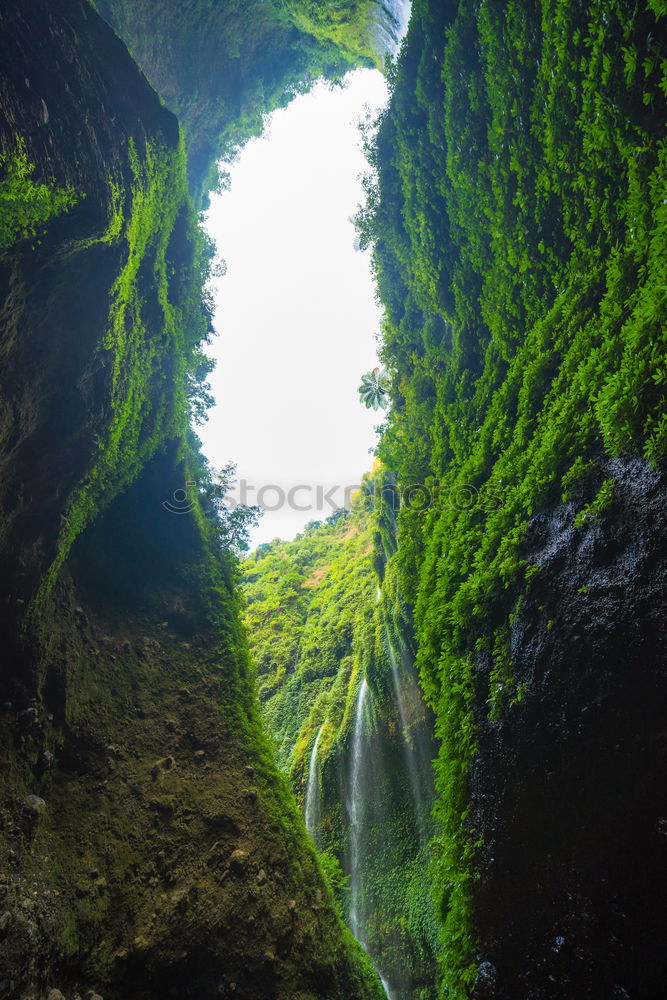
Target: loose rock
(486, 982)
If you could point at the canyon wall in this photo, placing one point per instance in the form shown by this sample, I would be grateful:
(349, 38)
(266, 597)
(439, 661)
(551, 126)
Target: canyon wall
(148, 845)
(517, 218)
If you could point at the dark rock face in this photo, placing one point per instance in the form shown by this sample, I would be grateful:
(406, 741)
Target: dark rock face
(569, 788)
(128, 737)
(54, 381)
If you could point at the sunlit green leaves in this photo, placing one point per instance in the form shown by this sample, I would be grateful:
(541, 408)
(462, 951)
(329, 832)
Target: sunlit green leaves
(26, 205)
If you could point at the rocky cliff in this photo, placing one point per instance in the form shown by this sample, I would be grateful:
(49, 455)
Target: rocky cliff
(517, 215)
(148, 845)
(567, 788)
(222, 66)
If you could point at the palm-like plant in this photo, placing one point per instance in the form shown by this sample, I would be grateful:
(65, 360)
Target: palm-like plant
(374, 390)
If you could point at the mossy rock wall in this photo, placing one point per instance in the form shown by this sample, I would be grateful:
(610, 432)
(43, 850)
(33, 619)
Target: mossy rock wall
(517, 216)
(222, 66)
(149, 847)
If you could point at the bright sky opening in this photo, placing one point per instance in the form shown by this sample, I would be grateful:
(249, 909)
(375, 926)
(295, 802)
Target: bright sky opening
(296, 314)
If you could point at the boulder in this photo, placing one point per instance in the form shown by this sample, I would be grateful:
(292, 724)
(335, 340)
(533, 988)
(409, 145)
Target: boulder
(32, 808)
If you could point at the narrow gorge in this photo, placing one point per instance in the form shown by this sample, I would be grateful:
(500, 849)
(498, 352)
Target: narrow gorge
(418, 750)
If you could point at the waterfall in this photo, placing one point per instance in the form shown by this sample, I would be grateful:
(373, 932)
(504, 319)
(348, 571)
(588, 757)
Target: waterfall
(362, 806)
(312, 811)
(390, 24)
(387, 988)
(356, 811)
(388, 790)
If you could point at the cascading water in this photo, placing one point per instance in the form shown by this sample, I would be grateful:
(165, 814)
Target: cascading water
(356, 810)
(389, 794)
(313, 807)
(382, 807)
(389, 25)
(387, 988)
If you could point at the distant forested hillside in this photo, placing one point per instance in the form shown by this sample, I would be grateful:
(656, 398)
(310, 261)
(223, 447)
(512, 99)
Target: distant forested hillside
(320, 630)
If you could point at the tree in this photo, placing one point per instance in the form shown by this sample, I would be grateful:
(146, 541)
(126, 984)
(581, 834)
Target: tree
(374, 390)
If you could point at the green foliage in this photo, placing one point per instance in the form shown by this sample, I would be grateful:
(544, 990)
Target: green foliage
(253, 56)
(232, 522)
(156, 369)
(603, 500)
(516, 208)
(309, 607)
(317, 622)
(503, 688)
(349, 24)
(26, 205)
(579, 472)
(156, 381)
(333, 873)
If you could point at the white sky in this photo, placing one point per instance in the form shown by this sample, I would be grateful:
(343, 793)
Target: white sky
(296, 312)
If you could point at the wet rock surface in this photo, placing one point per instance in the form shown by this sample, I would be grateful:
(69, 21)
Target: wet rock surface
(568, 787)
(486, 981)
